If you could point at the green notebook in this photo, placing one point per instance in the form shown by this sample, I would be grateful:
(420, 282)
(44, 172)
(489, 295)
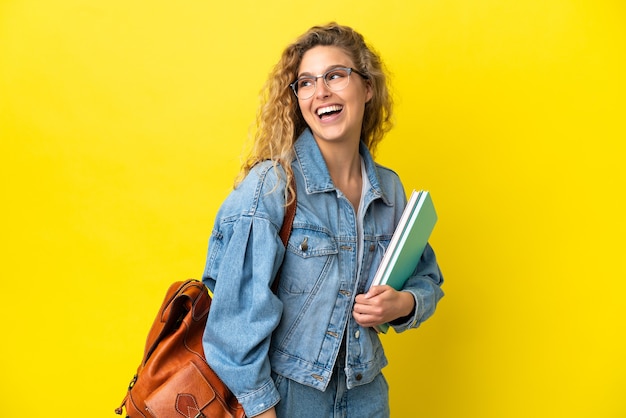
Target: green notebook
(407, 243)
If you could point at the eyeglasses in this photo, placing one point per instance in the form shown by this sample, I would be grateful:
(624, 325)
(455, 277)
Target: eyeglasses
(336, 79)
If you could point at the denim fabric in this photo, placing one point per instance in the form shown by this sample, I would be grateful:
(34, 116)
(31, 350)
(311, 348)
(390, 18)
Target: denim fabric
(298, 332)
(364, 401)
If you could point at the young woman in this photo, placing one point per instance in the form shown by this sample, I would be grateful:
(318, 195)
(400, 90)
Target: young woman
(310, 349)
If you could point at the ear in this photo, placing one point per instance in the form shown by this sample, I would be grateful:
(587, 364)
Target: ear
(369, 91)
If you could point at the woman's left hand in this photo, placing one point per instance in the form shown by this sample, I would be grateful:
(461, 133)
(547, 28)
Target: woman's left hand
(381, 304)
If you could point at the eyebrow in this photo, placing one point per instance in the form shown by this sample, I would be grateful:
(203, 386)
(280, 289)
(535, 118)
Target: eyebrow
(308, 74)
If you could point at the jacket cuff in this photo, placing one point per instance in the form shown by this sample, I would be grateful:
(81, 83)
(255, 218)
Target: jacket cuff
(260, 400)
(407, 322)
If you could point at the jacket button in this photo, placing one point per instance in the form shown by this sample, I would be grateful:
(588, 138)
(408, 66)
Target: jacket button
(359, 376)
(357, 334)
(372, 247)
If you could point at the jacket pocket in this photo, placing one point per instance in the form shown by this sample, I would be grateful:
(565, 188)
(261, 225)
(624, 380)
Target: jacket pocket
(310, 254)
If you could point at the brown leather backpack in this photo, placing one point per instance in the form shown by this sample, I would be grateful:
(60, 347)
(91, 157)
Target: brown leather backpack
(174, 379)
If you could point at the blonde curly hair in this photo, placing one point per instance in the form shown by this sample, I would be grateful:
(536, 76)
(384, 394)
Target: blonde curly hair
(279, 121)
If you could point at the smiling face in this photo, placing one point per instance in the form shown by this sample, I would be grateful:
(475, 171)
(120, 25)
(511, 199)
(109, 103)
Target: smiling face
(333, 116)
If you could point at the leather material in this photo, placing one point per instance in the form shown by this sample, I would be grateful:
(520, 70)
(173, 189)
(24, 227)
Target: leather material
(174, 379)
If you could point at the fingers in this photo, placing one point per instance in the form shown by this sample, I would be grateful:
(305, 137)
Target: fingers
(371, 293)
(371, 308)
(363, 319)
(375, 291)
(367, 314)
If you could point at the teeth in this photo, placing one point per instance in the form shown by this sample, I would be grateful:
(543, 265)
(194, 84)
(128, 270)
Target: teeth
(328, 109)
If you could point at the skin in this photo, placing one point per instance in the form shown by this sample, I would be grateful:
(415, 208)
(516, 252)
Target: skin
(338, 138)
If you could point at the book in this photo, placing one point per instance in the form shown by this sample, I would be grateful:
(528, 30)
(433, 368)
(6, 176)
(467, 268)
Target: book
(407, 243)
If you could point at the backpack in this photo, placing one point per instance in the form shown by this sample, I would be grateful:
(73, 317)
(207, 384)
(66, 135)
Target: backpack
(174, 378)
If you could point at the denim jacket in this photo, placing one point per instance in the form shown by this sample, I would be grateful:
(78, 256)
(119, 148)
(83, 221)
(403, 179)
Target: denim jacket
(252, 332)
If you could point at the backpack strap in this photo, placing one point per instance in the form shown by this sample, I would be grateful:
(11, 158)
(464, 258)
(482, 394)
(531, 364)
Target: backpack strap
(285, 229)
(290, 214)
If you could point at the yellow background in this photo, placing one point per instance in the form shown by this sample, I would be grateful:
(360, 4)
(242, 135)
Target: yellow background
(121, 124)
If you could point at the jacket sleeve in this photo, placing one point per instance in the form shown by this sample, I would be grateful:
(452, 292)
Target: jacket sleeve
(245, 253)
(425, 286)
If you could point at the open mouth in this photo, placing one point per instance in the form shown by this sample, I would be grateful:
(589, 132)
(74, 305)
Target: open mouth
(325, 112)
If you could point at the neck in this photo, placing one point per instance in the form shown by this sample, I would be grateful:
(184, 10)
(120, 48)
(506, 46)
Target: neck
(343, 162)
(344, 166)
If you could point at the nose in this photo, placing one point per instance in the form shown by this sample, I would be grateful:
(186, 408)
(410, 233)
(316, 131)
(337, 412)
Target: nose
(321, 89)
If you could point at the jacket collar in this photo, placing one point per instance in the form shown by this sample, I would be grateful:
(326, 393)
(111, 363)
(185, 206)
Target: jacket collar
(315, 172)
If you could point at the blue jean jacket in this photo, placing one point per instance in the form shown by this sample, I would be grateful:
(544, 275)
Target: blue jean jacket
(298, 332)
